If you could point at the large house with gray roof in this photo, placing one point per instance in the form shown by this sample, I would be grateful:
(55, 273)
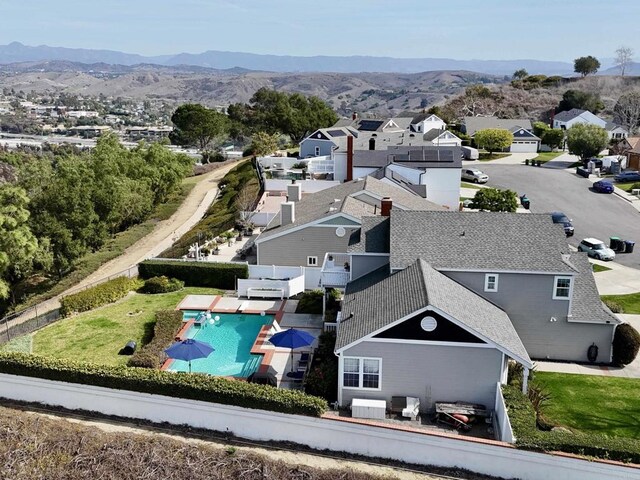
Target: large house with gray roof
(436, 302)
(524, 140)
(569, 118)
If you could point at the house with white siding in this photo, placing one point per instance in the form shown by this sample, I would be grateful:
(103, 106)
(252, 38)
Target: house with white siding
(565, 120)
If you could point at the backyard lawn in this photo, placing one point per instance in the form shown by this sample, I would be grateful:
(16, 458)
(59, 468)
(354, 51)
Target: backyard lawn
(98, 335)
(630, 303)
(546, 156)
(594, 404)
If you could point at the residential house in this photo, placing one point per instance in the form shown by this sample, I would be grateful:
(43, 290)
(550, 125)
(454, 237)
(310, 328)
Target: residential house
(633, 153)
(524, 139)
(426, 122)
(567, 119)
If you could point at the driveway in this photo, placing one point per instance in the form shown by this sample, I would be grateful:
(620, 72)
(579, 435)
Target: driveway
(550, 189)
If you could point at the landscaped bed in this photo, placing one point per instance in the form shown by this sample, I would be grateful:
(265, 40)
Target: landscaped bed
(98, 335)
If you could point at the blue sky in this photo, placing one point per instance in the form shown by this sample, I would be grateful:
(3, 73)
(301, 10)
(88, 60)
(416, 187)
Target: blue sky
(461, 29)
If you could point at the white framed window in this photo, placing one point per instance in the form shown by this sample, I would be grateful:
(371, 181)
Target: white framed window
(312, 261)
(562, 288)
(363, 373)
(317, 151)
(491, 282)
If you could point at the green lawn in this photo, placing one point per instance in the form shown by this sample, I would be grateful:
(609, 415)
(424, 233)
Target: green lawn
(595, 404)
(470, 185)
(626, 186)
(599, 268)
(98, 335)
(546, 156)
(630, 303)
(484, 156)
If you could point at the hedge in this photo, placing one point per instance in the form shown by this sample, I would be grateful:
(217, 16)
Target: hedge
(162, 285)
(94, 297)
(192, 386)
(196, 274)
(626, 343)
(151, 355)
(529, 437)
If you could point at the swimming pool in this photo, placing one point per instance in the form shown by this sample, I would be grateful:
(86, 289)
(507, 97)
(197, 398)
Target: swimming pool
(232, 337)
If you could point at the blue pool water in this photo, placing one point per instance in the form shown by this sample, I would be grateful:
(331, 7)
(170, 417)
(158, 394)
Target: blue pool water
(232, 337)
(190, 314)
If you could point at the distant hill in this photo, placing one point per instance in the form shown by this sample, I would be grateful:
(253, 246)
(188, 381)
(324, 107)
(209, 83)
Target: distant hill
(17, 52)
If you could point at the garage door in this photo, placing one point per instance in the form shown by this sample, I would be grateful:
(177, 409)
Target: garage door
(524, 147)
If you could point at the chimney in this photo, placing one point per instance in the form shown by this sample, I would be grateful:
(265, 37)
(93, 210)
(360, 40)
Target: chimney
(385, 206)
(287, 213)
(294, 192)
(553, 114)
(354, 116)
(349, 158)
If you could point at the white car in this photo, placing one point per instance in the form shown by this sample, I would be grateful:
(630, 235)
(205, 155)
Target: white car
(596, 248)
(473, 175)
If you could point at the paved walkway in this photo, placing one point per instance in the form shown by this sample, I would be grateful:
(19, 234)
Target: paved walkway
(620, 280)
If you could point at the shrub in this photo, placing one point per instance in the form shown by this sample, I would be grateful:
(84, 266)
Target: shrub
(528, 437)
(310, 302)
(626, 343)
(162, 285)
(200, 387)
(614, 306)
(322, 380)
(151, 355)
(196, 274)
(95, 297)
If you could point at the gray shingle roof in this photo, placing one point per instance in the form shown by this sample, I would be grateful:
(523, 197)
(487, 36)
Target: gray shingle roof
(379, 299)
(323, 204)
(586, 305)
(568, 114)
(429, 156)
(478, 241)
(373, 236)
(473, 124)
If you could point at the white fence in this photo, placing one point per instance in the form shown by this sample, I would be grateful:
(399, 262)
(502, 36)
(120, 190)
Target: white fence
(269, 287)
(274, 272)
(317, 433)
(259, 219)
(503, 424)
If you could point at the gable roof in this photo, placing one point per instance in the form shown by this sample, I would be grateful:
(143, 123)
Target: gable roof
(323, 203)
(378, 300)
(521, 132)
(484, 241)
(568, 114)
(473, 124)
(609, 126)
(372, 237)
(425, 116)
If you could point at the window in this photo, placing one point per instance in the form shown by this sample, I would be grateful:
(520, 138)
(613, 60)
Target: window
(361, 373)
(562, 288)
(317, 151)
(312, 261)
(491, 282)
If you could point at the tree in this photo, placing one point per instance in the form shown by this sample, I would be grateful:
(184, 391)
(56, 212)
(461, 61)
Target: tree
(199, 126)
(582, 100)
(627, 111)
(624, 56)
(586, 65)
(245, 204)
(495, 200)
(263, 143)
(553, 137)
(520, 74)
(586, 140)
(539, 128)
(492, 139)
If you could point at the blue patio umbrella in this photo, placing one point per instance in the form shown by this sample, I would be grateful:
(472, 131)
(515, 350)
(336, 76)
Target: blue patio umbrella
(188, 350)
(292, 338)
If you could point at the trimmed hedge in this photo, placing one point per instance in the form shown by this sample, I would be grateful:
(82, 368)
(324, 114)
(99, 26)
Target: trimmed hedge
(196, 274)
(626, 343)
(151, 355)
(528, 437)
(200, 387)
(95, 297)
(162, 285)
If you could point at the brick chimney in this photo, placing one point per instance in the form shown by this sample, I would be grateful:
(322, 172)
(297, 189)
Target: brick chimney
(294, 192)
(287, 213)
(354, 116)
(553, 114)
(349, 158)
(385, 206)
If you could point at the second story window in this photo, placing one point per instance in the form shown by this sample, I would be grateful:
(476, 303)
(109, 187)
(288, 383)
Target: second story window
(317, 151)
(562, 288)
(491, 282)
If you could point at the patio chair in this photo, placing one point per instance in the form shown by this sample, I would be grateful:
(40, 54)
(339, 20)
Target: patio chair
(412, 409)
(303, 363)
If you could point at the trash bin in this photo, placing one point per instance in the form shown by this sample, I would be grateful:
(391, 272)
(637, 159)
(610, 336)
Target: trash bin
(629, 246)
(524, 201)
(622, 246)
(129, 348)
(614, 242)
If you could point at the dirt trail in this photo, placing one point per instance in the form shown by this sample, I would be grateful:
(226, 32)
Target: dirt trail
(165, 233)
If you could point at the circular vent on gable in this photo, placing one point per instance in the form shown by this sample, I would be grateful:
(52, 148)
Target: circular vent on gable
(521, 132)
(340, 232)
(428, 324)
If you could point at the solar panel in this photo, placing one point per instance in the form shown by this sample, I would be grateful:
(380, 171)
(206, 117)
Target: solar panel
(369, 125)
(440, 156)
(336, 133)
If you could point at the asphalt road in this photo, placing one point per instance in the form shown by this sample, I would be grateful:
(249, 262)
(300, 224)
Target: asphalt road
(593, 214)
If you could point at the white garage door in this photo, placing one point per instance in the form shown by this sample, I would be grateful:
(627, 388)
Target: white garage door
(524, 147)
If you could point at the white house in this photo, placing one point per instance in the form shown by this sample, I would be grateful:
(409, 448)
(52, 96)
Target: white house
(566, 120)
(427, 121)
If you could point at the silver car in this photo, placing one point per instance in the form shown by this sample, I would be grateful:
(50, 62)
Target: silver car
(596, 248)
(474, 175)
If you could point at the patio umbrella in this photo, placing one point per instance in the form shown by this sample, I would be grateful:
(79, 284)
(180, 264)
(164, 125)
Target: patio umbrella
(188, 350)
(292, 338)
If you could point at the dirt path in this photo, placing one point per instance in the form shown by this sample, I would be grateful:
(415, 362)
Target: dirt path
(162, 237)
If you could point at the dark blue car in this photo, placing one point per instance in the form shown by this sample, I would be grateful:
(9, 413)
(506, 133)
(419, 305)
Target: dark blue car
(602, 186)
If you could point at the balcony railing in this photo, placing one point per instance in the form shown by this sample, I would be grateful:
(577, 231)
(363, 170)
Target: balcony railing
(336, 270)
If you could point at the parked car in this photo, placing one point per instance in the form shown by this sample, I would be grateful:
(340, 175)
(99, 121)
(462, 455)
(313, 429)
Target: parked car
(602, 186)
(596, 249)
(473, 175)
(559, 217)
(628, 176)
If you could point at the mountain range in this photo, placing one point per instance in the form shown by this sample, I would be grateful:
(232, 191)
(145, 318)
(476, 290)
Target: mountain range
(16, 52)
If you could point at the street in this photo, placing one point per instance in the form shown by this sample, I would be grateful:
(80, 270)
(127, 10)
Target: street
(593, 214)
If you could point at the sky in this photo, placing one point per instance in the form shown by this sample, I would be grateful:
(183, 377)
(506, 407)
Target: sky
(459, 29)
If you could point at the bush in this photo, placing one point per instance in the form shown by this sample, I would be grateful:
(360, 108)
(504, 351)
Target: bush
(322, 379)
(614, 306)
(200, 387)
(528, 437)
(196, 274)
(165, 329)
(162, 285)
(310, 302)
(95, 297)
(626, 343)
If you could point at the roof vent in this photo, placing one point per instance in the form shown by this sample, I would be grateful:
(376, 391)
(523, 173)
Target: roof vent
(336, 200)
(332, 209)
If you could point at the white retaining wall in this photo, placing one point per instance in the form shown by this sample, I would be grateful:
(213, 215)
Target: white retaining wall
(503, 424)
(314, 432)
